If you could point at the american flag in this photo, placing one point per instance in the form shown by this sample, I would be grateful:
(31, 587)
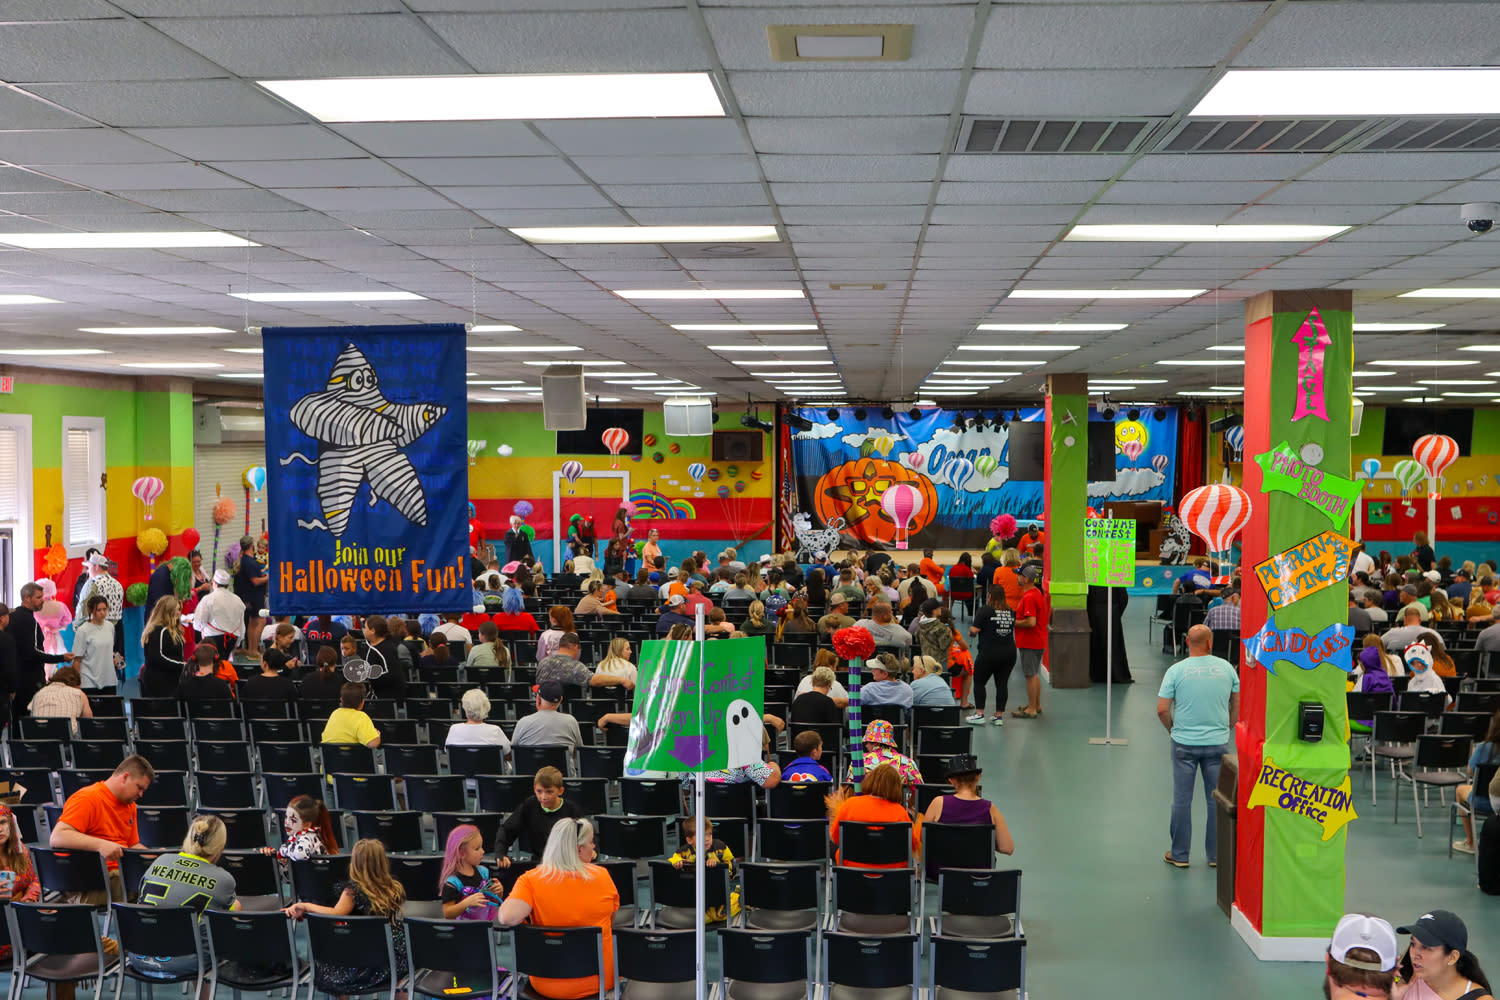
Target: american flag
(786, 531)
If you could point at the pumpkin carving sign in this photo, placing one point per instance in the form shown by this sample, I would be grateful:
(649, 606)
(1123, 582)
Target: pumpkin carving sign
(852, 491)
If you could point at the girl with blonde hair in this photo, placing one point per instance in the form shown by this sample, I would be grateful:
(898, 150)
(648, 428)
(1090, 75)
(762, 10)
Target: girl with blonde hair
(617, 660)
(370, 891)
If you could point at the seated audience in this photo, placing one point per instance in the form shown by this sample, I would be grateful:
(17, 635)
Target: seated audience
(964, 807)
(928, 686)
(1478, 800)
(474, 730)
(204, 684)
(808, 766)
(880, 748)
(886, 686)
(270, 684)
(192, 878)
(326, 684)
(817, 704)
(882, 625)
(617, 663)
(62, 697)
(533, 819)
(547, 726)
(878, 801)
(101, 818)
(349, 723)
(756, 622)
(564, 667)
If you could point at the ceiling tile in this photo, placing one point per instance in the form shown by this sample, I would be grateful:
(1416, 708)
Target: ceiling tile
(644, 137)
(1113, 35)
(266, 142)
(1080, 92)
(170, 103)
(110, 49)
(668, 195)
(1384, 34)
(575, 41)
(524, 197)
(740, 36)
(901, 135)
(444, 139)
(303, 47)
(684, 169)
(313, 173)
(144, 176)
(472, 171)
(849, 92)
(91, 145)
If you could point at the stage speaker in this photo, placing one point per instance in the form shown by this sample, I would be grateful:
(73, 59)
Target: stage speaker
(563, 406)
(1026, 447)
(687, 417)
(739, 446)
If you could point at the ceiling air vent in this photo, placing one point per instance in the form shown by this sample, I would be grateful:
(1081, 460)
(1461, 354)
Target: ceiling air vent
(1249, 135)
(1475, 135)
(1033, 135)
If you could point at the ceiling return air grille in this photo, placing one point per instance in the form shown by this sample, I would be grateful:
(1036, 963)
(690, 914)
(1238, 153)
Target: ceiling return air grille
(1005, 136)
(1474, 135)
(1273, 135)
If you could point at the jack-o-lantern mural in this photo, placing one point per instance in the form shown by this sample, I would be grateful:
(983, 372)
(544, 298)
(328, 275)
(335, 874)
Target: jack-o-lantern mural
(852, 491)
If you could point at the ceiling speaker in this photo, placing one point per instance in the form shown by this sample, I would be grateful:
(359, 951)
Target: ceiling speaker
(563, 407)
(687, 417)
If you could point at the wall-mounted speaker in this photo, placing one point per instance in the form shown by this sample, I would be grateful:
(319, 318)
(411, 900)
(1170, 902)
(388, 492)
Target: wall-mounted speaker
(739, 446)
(563, 407)
(687, 417)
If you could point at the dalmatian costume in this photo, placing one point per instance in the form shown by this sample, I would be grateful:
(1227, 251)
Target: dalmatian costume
(810, 540)
(1174, 547)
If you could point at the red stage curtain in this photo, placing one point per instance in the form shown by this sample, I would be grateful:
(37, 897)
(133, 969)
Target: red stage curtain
(1191, 460)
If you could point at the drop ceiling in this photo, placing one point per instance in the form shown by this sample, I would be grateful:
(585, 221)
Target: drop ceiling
(144, 115)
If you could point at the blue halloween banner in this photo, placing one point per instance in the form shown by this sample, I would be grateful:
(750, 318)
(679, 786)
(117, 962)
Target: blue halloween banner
(959, 472)
(1333, 646)
(366, 469)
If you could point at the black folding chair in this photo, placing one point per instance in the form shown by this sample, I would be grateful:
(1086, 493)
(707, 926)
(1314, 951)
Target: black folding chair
(400, 832)
(761, 959)
(253, 951)
(57, 943)
(674, 895)
(315, 880)
(663, 963)
(978, 903)
(780, 896)
(859, 965)
(420, 875)
(452, 959)
(354, 942)
(1439, 762)
(159, 932)
(435, 793)
(557, 953)
(257, 879)
(872, 900)
(960, 966)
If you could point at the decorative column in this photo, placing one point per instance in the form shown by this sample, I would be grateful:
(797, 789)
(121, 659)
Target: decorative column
(1065, 506)
(1293, 793)
(164, 448)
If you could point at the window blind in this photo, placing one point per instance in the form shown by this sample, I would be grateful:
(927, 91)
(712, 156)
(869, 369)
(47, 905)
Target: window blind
(10, 474)
(80, 495)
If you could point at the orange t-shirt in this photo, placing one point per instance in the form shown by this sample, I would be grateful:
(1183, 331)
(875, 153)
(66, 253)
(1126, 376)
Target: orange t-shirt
(95, 811)
(871, 809)
(587, 900)
(932, 571)
(1006, 577)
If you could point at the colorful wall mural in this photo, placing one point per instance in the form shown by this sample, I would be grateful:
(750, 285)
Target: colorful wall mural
(960, 476)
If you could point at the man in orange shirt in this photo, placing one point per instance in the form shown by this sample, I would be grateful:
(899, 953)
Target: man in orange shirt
(932, 571)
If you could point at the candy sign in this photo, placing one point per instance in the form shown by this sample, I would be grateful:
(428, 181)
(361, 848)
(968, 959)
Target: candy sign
(1316, 564)
(1286, 473)
(1278, 788)
(1332, 646)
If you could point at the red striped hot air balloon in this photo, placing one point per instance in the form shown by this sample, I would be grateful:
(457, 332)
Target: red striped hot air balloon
(615, 439)
(1216, 514)
(1435, 452)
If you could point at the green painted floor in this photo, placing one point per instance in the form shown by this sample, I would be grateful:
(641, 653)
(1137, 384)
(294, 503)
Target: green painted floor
(1105, 916)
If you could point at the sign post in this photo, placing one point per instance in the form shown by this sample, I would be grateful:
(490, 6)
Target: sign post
(1109, 562)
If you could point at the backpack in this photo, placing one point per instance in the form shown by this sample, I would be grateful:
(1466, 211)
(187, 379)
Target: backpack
(1487, 849)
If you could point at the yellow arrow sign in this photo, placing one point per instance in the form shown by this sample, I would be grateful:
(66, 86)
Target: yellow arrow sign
(1279, 788)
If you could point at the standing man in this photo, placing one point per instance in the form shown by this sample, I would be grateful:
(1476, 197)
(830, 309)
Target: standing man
(1031, 639)
(250, 586)
(106, 586)
(31, 656)
(10, 666)
(1198, 703)
(220, 616)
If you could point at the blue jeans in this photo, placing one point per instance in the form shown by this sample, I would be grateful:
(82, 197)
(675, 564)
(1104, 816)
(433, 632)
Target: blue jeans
(1186, 762)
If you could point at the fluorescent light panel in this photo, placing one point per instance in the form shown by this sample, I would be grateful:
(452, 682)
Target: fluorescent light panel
(773, 375)
(145, 331)
(1485, 348)
(1451, 293)
(583, 364)
(976, 363)
(1395, 327)
(754, 363)
(175, 365)
(1320, 93)
(520, 349)
(27, 300)
(122, 241)
(494, 328)
(503, 97)
(1106, 293)
(1033, 348)
(1201, 234)
(1235, 348)
(766, 348)
(1428, 363)
(50, 352)
(1455, 381)
(328, 296)
(748, 327)
(709, 293)
(1371, 374)
(648, 234)
(251, 375)
(1132, 381)
(1053, 327)
(1203, 362)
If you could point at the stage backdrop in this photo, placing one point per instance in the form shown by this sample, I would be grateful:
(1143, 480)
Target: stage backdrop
(366, 469)
(843, 466)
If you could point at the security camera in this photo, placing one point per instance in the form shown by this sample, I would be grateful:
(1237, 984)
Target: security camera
(1479, 216)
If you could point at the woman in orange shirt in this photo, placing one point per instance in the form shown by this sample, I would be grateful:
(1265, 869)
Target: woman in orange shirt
(878, 801)
(1007, 576)
(567, 890)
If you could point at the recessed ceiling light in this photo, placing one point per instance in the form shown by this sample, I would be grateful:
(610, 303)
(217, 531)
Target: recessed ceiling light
(183, 365)
(643, 382)
(1201, 234)
(1053, 327)
(241, 375)
(503, 97)
(1486, 348)
(1199, 392)
(1113, 385)
(1428, 363)
(1106, 293)
(1395, 327)
(709, 293)
(648, 234)
(1203, 362)
(1452, 293)
(494, 328)
(948, 392)
(583, 364)
(977, 363)
(732, 327)
(756, 363)
(1227, 388)
(766, 348)
(1455, 381)
(50, 352)
(1235, 348)
(1422, 399)
(494, 381)
(606, 399)
(984, 373)
(1327, 93)
(616, 374)
(1391, 388)
(27, 300)
(121, 241)
(520, 349)
(1371, 374)
(1034, 348)
(1489, 394)
(327, 296)
(1131, 381)
(781, 374)
(245, 350)
(143, 331)
(683, 392)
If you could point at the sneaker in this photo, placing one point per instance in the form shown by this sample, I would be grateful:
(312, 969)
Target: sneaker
(1213, 864)
(999, 720)
(1173, 861)
(1463, 847)
(976, 719)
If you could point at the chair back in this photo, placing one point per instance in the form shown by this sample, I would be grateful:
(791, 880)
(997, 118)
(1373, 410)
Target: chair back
(46, 754)
(631, 836)
(160, 931)
(1364, 705)
(1478, 701)
(351, 942)
(452, 958)
(979, 892)
(134, 864)
(1429, 703)
(434, 793)
(400, 832)
(365, 791)
(799, 801)
(945, 740)
(220, 756)
(227, 790)
(935, 715)
(968, 965)
(168, 789)
(503, 792)
(217, 730)
(404, 759)
(1483, 775)
(70, 871)
(531, 759)
(758, 956)
(286, 758)
(1397, 727)
(676, 887)
(245, 829)
(780, 886)
(420, 875)
(1436, 752)
(950, 845)
(660, 957)
(347, 758)
(874, 962)
(240, 941)
(793, 839)
(255, 874)
(1475, 725)
(287, 730)
(473, 760)
(873, 891)
(55, 929)
(875, 843)
(602, 762)
(314, 880)
(282, 788)
(651, 796)
(559, 952)
(487, 822)
(161, 826)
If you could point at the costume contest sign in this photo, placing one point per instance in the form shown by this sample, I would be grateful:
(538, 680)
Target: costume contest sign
(1109, 551)
(367, 469)
(1278, 788)
(667, 731)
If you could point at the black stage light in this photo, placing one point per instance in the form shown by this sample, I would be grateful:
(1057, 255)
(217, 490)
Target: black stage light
(833, 414)
(914, 413)
(1132, 414)
(1159, 414)
(888, 413)
(861, 414)
(795, 422)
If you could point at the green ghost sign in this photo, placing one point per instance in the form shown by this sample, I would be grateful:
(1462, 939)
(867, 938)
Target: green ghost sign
(669, 732)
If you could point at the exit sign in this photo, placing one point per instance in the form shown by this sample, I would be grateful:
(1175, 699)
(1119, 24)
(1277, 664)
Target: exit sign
(7, 384)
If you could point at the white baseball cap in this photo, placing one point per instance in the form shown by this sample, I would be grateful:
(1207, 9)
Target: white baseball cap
(221, 577)
(675, 600)
(1355, 930)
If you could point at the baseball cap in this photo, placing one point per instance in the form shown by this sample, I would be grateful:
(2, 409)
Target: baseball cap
(1410, 589)
(820, 554)
(99, 559)
(1433, 575)
(1439, 927)
(675, 600)
(550, 691)
(1355, 930)
(221, 576)
(654, 578)
(1032, 573)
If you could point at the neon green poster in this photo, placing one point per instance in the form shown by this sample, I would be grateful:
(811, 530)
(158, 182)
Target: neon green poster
(1109, 551)
(667, 731)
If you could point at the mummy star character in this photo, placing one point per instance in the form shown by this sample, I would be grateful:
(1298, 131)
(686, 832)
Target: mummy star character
(360, 434)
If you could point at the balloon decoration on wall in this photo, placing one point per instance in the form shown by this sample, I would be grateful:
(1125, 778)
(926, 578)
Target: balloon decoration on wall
(1216, 514)
(901, 503)
(615, 439)
(1159, 463)
(1235, 439)
(571, 470)
(190, 538)
(255, 479)
(1408, 473)
(986, 464)
(852, 492)
(697, 470)
(959, 471)
(1435, 452)
(146, 489)
(475, 447)
(1370, 467)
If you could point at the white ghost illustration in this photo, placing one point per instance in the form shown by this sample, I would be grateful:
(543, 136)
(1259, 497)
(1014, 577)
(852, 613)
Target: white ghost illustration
(744, 728)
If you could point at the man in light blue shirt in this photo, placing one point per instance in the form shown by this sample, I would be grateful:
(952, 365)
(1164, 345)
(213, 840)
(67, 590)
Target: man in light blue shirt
(885, 689)
(1198, 703)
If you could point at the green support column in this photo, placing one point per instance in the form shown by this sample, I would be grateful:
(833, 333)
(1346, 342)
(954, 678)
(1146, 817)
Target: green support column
(1065, 503)
(164, 448)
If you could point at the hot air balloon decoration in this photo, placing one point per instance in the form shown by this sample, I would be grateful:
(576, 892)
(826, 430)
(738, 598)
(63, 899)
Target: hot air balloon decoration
(615, 439)
(697, 470)
(1216, 514)
(1132, 449)
(1435, 452)
(146, 489)
(959, 471)
(254, 479)
(986, 464)
(475, 446)
(1234, 438)
(1370, 467)
(571, 470)
(901, 503)
(1159, 463)
(1408, 473)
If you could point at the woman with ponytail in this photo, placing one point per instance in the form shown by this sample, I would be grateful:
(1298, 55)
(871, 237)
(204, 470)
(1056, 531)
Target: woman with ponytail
(309, 831)
(191, 877)
(370, 891)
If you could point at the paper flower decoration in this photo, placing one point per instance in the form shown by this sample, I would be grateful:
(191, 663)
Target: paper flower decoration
(224, 510)
(152, 542)
(136, 594)
(55, 561)
(1003, 526)
(853, 643)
